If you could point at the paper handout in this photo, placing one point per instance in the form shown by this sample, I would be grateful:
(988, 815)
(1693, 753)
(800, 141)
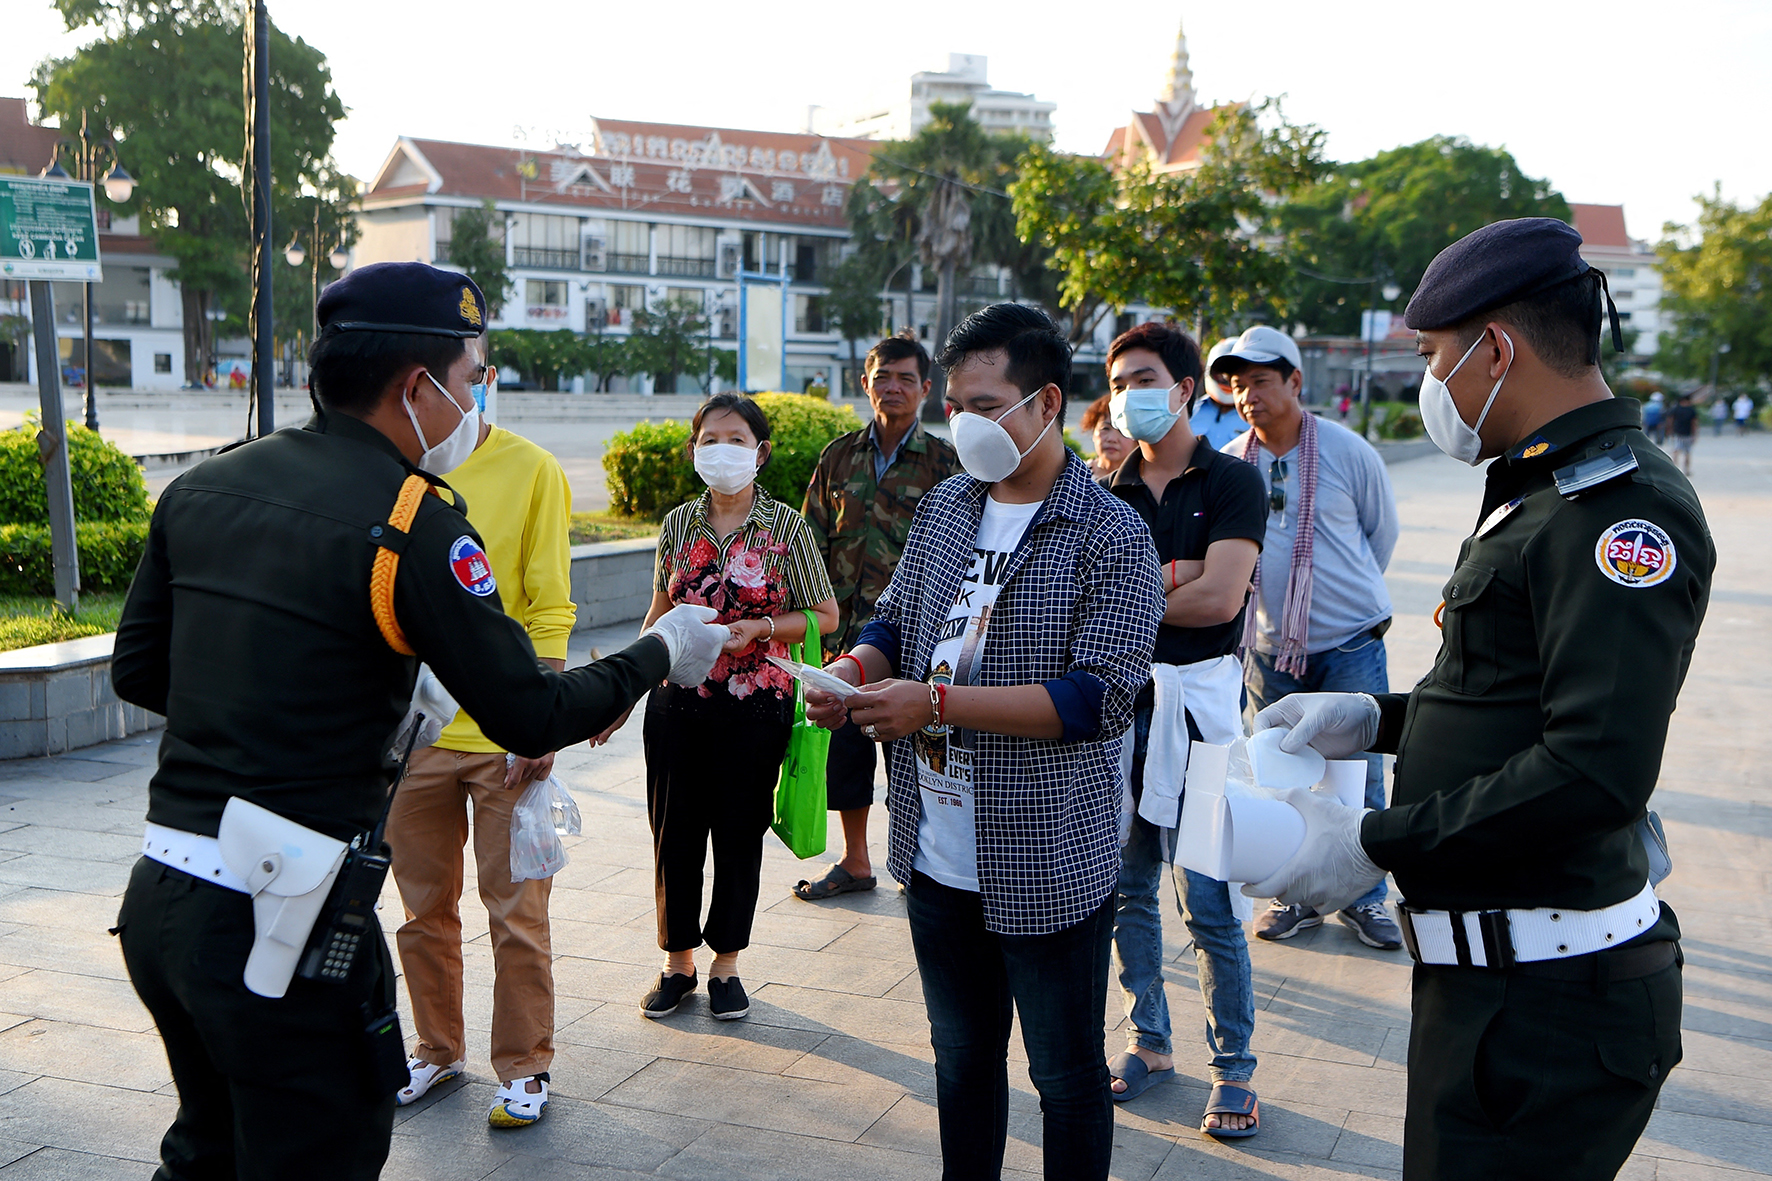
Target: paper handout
(816, 678)
(1232, 832)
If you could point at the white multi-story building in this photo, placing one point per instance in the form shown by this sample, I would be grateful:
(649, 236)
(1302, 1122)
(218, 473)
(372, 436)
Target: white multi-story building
(1633, 273)
(964, 81)
(643, 213)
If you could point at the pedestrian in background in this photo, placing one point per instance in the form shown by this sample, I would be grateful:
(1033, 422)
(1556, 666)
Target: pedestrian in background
(1321, 606)
(1654, 418)
(1001, 664)
(1206, 515)
(1111, 447)
(522, 506)
(859, 506)
(713, 752)
(1216, 418)
(1719, 413)
(1684, 420)
(1744, 408)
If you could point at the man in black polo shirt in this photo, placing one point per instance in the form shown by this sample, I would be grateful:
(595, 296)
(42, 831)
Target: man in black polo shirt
(1205, 512)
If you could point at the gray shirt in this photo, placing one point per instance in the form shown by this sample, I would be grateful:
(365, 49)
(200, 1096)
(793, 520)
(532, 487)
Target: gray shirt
(1356, 530)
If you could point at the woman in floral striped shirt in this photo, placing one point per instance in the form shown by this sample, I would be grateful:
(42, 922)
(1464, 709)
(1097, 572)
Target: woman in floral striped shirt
(713, 753)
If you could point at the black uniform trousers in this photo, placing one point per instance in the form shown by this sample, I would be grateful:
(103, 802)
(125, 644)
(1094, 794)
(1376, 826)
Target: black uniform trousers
(1521, 1077)
(712, 764)
(267, 1088)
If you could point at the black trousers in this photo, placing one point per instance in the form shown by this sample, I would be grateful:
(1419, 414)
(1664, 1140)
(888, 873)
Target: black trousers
(1520, 1077)
(712, 764)
(267, 1089)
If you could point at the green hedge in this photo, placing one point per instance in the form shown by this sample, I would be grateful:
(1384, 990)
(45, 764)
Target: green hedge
(109, 553)
(649, 471)
(108, 486)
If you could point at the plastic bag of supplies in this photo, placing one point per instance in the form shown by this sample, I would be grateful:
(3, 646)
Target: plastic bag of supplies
(544, 813)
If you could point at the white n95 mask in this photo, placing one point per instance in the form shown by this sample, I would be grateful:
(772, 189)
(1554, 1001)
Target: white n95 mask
(727, 468)
(453, 451)
(1439, 413)
(986, 450)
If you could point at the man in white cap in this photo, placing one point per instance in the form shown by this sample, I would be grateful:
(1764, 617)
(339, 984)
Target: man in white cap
(1320, 605)
(1215, 416)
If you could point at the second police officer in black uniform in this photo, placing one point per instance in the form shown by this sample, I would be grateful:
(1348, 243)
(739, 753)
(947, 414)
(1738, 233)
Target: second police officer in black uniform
(1547, 995)
(252, 626)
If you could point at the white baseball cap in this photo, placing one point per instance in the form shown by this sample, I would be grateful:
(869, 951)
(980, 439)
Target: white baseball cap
(1260, 345)
(1221, 349)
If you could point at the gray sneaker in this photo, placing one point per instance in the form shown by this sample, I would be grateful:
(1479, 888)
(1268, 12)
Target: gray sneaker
(1372, 923)
(1280, 921)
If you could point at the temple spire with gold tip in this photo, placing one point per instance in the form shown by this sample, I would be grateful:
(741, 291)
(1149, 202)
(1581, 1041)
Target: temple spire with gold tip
(1177, 99)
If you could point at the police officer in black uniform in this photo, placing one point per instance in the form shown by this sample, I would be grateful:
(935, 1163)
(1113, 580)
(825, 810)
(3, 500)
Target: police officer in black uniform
(1547, 985)
(252, 627)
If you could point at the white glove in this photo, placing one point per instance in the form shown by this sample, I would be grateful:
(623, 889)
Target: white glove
(1331, 868)
(1338, 725)
(693, 639)
(430, 698)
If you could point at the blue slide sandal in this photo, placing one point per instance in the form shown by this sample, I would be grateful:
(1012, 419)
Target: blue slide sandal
(1138, 1077)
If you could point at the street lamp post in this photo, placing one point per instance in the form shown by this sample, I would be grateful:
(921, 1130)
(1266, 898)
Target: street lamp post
(295, 255)
(88, 151)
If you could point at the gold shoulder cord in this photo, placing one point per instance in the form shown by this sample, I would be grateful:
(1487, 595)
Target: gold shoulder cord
(387, 564)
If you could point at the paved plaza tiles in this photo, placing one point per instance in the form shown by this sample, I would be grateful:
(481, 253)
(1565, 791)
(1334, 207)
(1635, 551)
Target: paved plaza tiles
(830, 1077)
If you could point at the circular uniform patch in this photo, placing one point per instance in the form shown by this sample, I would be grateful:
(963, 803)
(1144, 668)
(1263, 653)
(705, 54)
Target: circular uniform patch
(471, 567)
(1635, 553)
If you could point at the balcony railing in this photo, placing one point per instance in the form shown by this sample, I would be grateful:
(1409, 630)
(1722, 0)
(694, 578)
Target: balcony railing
(546, 258)
(629, 264)
(688, 268)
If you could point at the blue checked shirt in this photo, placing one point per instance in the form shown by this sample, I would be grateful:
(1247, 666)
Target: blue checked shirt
(1078, 613)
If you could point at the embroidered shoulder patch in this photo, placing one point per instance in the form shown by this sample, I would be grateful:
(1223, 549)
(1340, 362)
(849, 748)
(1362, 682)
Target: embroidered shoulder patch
(471, 567)
(1636, 553)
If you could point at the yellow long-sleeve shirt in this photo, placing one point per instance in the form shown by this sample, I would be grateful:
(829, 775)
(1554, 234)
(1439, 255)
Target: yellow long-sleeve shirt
(520, 502)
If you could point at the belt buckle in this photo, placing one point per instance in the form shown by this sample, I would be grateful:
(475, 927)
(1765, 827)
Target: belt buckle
(1406, 922)
(1498, 940)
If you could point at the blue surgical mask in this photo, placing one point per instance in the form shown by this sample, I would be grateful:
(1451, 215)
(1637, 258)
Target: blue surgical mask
(1143, 414)
(479, 395)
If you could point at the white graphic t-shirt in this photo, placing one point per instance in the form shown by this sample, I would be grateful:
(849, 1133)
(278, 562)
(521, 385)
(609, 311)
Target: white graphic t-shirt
(946, 833)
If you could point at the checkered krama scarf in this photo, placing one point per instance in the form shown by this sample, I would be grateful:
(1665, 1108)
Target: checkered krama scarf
(1295, 621)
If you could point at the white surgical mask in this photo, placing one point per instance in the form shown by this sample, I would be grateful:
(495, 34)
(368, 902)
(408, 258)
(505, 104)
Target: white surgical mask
(1143, 414)
(987, 451)
(727, 468)
(453, 451)
(1439, 413)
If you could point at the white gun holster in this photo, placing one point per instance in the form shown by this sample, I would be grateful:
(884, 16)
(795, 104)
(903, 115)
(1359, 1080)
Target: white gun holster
(288, 869)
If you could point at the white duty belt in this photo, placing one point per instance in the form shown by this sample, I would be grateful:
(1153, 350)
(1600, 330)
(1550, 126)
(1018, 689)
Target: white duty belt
(1502, 938)
(198, 856)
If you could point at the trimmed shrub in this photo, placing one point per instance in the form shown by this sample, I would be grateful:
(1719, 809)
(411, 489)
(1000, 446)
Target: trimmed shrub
(108, 486)
(649, 472)
(109, 553)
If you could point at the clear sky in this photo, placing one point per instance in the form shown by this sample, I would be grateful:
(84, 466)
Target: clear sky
(1633, 103)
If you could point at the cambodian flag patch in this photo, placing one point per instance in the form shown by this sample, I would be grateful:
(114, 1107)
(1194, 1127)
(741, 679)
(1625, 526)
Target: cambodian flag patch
(471, 567)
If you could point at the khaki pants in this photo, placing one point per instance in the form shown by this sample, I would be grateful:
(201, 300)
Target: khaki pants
(427, 829)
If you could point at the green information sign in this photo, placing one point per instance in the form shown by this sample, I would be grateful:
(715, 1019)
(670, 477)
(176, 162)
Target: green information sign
(48, 230)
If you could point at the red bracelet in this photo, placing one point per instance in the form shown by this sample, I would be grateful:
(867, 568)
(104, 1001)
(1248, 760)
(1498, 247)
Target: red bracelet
(859, 670)
(941, 707)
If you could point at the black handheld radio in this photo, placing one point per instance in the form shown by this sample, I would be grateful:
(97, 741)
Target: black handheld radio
(350, 908)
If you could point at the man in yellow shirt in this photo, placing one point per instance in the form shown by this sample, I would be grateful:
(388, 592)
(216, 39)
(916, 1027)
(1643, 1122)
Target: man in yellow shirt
(519, 500)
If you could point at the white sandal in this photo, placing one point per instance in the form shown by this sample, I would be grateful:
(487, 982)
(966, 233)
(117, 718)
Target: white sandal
(424, 1076)
(515, 1106)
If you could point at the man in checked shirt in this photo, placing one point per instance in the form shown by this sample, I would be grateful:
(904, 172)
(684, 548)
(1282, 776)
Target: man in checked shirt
(1009, 646)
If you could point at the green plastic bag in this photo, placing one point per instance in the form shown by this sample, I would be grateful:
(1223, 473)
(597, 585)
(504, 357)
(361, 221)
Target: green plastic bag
(800, 811)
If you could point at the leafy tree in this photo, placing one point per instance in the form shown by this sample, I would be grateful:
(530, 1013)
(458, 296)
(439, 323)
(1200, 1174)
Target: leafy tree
(1193, 242)
(542, 355)
(1717, 291)
(605, 358)
(666, 340)
(477, 249)
(1383, 220)
(164, 79)
(853, 306)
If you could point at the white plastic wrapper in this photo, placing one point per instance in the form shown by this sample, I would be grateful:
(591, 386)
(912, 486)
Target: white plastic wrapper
(544, 813)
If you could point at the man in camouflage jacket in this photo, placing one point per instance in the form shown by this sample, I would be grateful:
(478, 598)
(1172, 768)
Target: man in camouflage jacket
(863, 495)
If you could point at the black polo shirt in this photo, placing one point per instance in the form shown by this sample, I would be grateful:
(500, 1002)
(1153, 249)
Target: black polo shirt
(1217, 497)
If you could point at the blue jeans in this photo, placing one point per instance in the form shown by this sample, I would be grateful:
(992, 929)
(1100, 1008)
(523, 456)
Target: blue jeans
(1356, 667)
(1221, 951)
(973, 983)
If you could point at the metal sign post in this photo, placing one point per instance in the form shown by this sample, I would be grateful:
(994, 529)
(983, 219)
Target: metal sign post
(52, 445)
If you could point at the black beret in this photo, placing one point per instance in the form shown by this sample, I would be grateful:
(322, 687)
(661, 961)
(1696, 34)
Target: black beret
(1493, 266)
(404, 297)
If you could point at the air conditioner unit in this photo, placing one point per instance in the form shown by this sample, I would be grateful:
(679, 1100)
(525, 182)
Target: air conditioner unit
(728, 324)
(595, 256)
(727, 267)
(596, 314)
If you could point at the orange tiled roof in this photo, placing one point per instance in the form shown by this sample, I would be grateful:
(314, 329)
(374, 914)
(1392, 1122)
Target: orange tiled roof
(1600, 225)
(791, 178)
(1145, 136)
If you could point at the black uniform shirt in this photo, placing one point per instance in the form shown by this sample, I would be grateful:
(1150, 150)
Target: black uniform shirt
(1527, 756)
(249, 626)
(1218, 496)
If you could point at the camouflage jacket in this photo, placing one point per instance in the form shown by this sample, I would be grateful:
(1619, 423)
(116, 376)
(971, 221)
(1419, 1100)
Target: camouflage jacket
(860, 524)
